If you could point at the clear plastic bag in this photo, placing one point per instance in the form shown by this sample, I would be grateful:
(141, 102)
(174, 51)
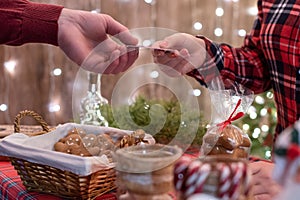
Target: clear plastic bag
(230, 102)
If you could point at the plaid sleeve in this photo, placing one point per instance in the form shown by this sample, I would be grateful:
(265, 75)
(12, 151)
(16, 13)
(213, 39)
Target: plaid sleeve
(245, 65)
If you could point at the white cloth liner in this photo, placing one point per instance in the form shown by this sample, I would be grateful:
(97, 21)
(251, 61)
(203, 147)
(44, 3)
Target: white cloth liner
(39, 149)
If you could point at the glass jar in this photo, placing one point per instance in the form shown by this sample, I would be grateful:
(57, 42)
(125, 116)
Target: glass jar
(146, 171)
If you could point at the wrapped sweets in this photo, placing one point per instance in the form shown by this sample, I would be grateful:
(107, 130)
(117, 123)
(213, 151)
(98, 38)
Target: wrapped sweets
(226, 139)
(213, 178)
(287, 162)
(230, 141)
(223, 138)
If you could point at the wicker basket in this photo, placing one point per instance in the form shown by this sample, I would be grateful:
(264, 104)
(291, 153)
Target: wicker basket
(47, 179)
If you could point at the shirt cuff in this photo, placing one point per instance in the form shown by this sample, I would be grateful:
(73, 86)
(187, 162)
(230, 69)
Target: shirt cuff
(212, 65)
(39, 23)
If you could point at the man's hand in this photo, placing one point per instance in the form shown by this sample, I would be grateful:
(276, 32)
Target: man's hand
(263, 185)
(84, 38)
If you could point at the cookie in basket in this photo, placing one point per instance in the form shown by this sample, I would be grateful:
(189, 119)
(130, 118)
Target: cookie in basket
(72, 144)
(78, 142)
(98, 145)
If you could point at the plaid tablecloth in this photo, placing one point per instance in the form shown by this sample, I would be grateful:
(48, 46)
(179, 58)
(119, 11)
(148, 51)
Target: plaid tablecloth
(12, 188)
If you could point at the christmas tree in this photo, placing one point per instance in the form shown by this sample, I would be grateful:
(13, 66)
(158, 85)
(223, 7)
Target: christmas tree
(259, 123)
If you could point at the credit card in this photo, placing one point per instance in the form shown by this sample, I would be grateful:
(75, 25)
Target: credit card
(168, 52)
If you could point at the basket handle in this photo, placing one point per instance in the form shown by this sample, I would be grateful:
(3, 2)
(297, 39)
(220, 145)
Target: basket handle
(33, 114)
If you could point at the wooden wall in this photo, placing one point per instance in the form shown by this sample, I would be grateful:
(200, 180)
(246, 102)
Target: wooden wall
(32, 85)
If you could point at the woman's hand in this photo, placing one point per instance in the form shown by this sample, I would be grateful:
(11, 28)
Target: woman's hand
(83, 36)
(263, 185)
(188, 53)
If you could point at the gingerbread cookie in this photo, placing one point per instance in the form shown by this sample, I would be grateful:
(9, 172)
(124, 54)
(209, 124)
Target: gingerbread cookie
(78, 142)
(229, 140)
(72, 144)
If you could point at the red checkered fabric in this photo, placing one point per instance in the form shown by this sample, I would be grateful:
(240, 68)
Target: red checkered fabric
(12, 188)
(269, 58)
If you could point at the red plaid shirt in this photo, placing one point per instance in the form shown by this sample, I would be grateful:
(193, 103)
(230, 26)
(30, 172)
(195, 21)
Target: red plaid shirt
(269, 58)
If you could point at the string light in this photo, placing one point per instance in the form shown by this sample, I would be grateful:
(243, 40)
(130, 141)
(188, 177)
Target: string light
(253, 115)
(252, 11)
(263, 112)
(57, 72)
(219, 12)
(218, 32)
(246, 127)
(268, 154)
(197, 92)
(150, 2)
(154, 74)
(147, 43)
(252, 112)
(10, 66)
(256, 133)
(53, 107)
(265, 128)
(270, 95)
(97, 10)
(197, 26)
(259, 100)
(3, 107)
(195, 14)
(242, 32)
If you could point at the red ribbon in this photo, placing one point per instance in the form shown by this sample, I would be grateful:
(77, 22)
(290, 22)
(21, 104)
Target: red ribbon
(293, 152)
(231, 117)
